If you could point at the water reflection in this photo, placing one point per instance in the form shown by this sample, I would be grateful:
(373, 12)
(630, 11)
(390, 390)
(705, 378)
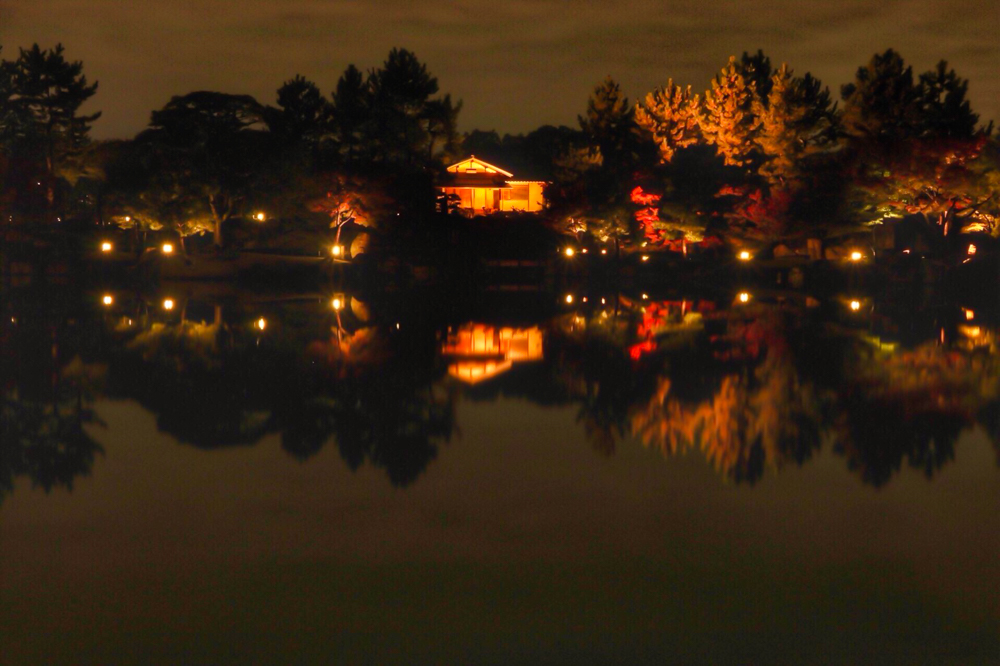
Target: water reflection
(753, 385)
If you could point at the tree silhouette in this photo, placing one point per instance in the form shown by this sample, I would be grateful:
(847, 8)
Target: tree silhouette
(349, 112)
(205, 151)
(44, 95)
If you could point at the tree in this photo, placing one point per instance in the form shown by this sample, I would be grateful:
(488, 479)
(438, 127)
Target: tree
(757, 69)
(401, 90)
(45, 93)
(303, 110)
(670, 116)
(916, 144)
(206, 150)
(441, 116)
(944, 110)
(350, 111)
(881, 105)
(797, 120)
(609, 125)
(727, 119)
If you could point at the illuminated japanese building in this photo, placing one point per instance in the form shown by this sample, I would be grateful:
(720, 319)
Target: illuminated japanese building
(483, 188)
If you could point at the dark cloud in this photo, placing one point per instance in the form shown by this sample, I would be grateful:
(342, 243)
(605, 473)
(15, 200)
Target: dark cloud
(516, 64)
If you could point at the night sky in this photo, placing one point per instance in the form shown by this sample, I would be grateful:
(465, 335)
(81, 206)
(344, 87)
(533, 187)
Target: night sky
(516, 64)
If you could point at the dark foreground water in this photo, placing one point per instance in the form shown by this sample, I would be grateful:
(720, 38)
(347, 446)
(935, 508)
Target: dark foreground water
(514, 479)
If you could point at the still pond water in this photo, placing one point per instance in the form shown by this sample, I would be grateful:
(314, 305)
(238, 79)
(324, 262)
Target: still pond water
(202, 475)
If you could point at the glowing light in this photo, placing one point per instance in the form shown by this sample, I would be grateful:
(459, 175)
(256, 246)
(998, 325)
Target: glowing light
(645, 297)
(972, 249)
(604, 251)
(907, 251)
(743, 297)
(855, 305)
(337, 303)
(969, 314)
(645, 257)
(105, 247)
(168, 304)
(261, 324)
(569, 252)
(167, 248)
(970, 331)
(603, 301)
(856, 256)
(128, 218)
(260, 217)
(744, 255)
(337, 250)
(584, 299)
(584, 250)
(569, 299)
(108, 299)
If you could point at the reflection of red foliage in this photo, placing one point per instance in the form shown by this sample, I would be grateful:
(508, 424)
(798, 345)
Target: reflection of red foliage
(637, 350)
(642, 198)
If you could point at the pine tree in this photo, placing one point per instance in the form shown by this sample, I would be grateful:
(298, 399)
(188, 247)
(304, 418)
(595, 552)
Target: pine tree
(441, 116)
(757, 69)
(797, 120)
(303, 110)
(670, 115)
(350, 111)
(47, 93)
(401, 90)
(727, 119)
(944, 110)
(881, 104)
(609, 124)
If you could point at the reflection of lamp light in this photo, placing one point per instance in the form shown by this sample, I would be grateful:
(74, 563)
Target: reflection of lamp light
(744, 255)
(972, 249)
(108, 299)
(969, 314)
(168, 304)
(168, 248)
(856, 256)
(569, 252)
(855, 305)
(645, 296)
(337, 250)
(105, 246)
(569, 299)
(261, 323)
(743, 297)
(645, 257)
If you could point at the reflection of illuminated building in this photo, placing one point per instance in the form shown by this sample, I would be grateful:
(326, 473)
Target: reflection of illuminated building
(481, 352)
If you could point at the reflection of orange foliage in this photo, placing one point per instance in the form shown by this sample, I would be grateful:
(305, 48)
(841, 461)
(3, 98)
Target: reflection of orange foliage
(344, 350)
(750, 420)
